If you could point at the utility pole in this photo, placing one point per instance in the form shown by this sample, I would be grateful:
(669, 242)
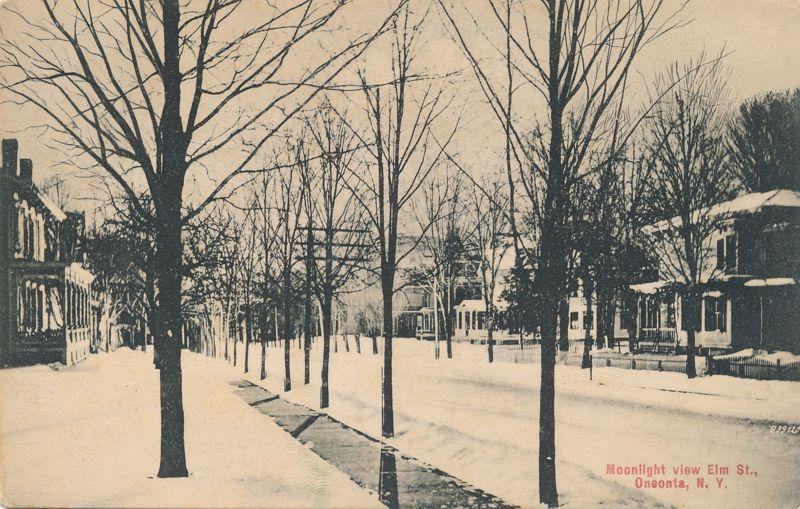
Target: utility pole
(336, 270)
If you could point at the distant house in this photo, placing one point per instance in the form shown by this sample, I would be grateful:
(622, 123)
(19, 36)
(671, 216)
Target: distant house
(45, 295)
(749, 297)
(579, 320)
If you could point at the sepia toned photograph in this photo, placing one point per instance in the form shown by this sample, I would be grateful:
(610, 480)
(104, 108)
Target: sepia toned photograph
(400, 253)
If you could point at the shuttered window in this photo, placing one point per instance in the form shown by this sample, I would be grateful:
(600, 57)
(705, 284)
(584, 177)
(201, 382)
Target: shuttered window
(731, 254)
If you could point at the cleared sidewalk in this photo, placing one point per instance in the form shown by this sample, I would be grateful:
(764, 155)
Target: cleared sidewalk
(399, 480)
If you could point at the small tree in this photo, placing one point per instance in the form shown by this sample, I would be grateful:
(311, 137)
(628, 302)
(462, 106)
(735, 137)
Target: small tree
(488, 208)
(288, 195)
(443, 218)
(335, 234)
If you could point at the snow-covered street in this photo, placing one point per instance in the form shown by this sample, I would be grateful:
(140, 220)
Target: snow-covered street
(88, 436)
(479, 422)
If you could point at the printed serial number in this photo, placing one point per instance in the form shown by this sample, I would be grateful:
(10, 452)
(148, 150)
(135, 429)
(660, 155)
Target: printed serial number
(794, 430)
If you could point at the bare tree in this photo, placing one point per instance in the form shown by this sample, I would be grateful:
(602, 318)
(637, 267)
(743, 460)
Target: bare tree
(403, 152)
(248, 245)
(269, 281)
(288, 195)
(443, 219)
(55, 189)
(689, 175)
(580, 72)
(488, 209)
(335, 231)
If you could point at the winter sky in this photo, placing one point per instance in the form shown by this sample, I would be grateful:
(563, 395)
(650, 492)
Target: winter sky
(759, 37)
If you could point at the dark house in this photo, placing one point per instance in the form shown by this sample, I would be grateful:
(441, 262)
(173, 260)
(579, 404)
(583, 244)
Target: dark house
(45, 294)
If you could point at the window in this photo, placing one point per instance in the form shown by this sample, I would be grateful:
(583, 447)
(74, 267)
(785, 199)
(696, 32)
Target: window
(573, 320)
(730, 254)
(670, 313)
(626, 321)
(651, 314)
(727, 254)
(643, 312)
(588, 321)
(715, 313)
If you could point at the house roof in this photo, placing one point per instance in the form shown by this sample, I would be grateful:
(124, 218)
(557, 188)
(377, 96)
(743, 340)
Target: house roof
(649, 288)
(51, 206)
(752, 202)
(479, 305)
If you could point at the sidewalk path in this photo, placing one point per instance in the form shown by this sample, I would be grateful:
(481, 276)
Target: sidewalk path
(399, 480)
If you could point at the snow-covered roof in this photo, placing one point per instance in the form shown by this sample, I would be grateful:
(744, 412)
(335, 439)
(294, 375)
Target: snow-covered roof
(52, 207)
(649, 288)
(773, 281)
(752, 202)
(76, 272)
(471, 305)
(479, 305)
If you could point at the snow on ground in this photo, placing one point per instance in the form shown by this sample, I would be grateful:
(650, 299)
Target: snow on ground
(479, 422)
(88, 436)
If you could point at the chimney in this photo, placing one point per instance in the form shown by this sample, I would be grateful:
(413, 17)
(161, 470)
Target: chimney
(10, 148)
(26, 170)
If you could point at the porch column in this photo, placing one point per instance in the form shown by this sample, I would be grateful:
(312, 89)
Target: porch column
(639, 318)
(43, 306)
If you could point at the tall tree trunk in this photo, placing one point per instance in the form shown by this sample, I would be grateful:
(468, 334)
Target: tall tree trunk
(588, 289)
(343, 321)
(326, 350)
(693, 302)
(490, 334)
(307, 310)
(449, 322)
(263, 358)
(563, 325)
(436, 320)
(548, 493)
(263, 336)
(169, 251)
(226, 328)
(387, 414)
(248, 337)
(167, 343)
(553, 270)
(237, 337)
(287, 330)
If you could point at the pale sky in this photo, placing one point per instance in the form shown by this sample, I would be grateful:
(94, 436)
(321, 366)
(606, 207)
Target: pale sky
(762, 38)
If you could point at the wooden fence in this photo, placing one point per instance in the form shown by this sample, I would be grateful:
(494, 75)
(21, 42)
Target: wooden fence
(760, 369)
